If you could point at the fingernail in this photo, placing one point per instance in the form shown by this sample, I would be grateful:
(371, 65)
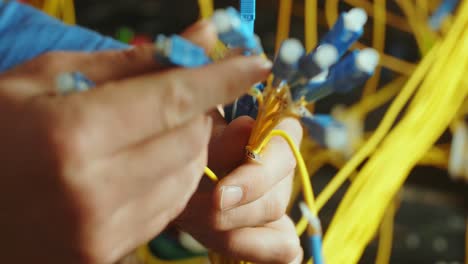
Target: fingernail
(230, 196)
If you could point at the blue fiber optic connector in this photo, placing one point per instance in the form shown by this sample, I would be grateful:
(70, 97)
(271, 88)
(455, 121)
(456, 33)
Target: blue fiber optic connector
(326, 131)
(347, 30)
(287, 61)
(352, 71)
(73, 82)
(178, 51)
(445, 9)
(313, 66)
(246, 105)
(316, 249)
(247, 11)
(234, 33)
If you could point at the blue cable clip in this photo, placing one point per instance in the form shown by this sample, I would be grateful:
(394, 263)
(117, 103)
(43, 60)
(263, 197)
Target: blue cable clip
(234, 33)
(247, 11)
(347, 30)
(73, 82)
(286, 62)
(178, 51)
(326, 131)
(444, 10)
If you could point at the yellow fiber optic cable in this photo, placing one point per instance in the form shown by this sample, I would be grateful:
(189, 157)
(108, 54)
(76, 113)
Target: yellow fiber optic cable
(387, 122)
(145, 256)
(331, 12)
(422, 9)
(306, 184)
(51, 7)
(68, 12)
(284, 22)
(378, 42)
(384, 250)
(357, 217)
(206, 8)
(310, 24)
(378, 99)
(211, 174)
(420, 31)
(435, 157)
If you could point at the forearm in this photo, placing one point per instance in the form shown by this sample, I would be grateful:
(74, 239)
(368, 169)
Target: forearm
(26, 33)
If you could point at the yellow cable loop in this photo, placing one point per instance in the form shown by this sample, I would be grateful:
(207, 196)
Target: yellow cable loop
(378, 42)
(384, 250)
(310, 24)
(306, 184)
(284, 22)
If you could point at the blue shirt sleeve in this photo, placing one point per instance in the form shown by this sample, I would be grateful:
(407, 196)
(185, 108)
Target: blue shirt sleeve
(26, 33)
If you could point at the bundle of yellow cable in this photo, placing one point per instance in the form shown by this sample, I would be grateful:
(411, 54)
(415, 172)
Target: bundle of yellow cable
(436, 103)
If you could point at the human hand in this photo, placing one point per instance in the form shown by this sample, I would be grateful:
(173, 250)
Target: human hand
(243, 216)
(90, 176)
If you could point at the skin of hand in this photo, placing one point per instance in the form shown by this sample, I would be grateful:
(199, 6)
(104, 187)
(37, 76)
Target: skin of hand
(89, 176)
(244, 215)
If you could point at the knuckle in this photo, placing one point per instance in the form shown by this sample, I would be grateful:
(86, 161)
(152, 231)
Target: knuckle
(63, 131)
(221, 221)
(274, 209)
(196, 142)
(54, 61)
(178, 100)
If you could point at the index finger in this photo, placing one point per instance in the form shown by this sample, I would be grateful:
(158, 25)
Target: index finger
(134, 109)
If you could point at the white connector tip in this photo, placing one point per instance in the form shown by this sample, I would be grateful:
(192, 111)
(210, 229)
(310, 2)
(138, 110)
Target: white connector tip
(337, 138)
(291, 50)
(65, 83)
(367, 60)
(355, 19)
(306, 211)
(458, 152)
(188, 242)
(313, 220)
(223, 22)
(326, 55)
(319, 78)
